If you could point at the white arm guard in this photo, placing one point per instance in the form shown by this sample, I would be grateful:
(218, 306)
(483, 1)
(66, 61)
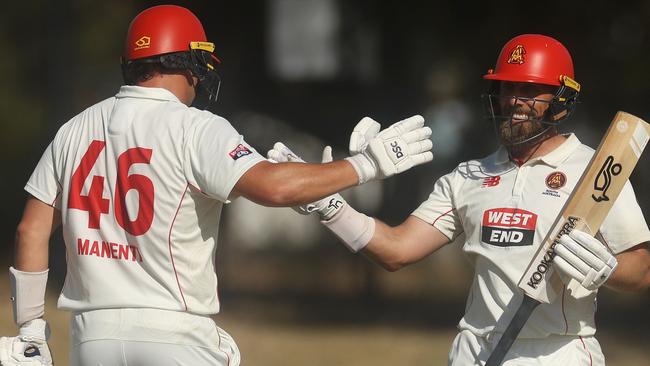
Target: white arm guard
(27, 294)
(353, 228)
(585, 259)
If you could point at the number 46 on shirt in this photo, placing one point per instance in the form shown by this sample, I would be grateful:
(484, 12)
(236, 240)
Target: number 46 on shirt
(96, 204)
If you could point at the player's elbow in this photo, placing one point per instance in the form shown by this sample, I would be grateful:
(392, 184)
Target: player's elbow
(393, 266)
(27, 231)
(268, 185)
(389, 248)
(392, 262)
(281, 194)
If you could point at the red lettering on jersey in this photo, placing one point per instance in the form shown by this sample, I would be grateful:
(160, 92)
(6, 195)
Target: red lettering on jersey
(491, 181)
(82, 247)
(142, 184)
(94, 202)
(109, 250)
(124, 252)
(134, 252)
(510, 217)
(94, 249)
(106, 250)
(114, 250)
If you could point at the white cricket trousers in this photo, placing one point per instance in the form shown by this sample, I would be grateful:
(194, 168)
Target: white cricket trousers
(471, 350)
(149, 337)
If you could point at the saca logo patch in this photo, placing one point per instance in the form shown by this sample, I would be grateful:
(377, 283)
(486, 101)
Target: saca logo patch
(239, 151)
(508, 227)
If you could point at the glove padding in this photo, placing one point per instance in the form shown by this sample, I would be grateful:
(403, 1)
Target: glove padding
(378, 155)
(584, 258)
(29, 348)
(326, 207)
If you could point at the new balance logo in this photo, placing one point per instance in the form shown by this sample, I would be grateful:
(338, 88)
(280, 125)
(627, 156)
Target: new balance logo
(491, 181)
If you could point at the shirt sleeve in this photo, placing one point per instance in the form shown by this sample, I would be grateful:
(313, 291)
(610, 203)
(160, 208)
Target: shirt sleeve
(439, 209)
(625, 226)
(43, 183)
(216, 157)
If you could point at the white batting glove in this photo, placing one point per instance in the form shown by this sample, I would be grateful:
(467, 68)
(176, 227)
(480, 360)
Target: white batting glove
(326, 207)
(398, 148)
(584, 258)
(29, 348)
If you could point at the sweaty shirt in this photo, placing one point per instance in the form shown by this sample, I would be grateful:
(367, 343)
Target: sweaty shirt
(501, 213)
(140, 180)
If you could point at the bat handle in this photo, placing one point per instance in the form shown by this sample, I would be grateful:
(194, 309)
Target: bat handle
(528, 304)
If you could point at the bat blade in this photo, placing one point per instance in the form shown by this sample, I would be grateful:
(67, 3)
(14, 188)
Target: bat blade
(590, 201)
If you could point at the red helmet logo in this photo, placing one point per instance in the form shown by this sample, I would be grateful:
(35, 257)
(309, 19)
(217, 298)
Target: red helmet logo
(517, 55)
(143, 42)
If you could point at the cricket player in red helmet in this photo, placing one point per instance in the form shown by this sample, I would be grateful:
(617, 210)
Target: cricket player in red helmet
(138, 182)
(499, 209)
(527, 60)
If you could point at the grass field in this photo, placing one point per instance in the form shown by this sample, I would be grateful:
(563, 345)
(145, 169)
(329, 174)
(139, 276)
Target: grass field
(268, 336)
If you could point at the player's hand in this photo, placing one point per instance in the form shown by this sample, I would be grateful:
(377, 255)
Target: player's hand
(582, 257)
(326, 207)
(381, 154)
(29, 348)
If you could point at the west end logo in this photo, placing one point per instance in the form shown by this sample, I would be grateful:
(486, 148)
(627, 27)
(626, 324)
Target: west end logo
(517, 55)
(506, 227)
(143, 42)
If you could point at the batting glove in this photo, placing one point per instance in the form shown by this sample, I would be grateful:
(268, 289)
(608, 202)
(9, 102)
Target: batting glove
(326, 207)
(29, 348)
(381, 154)
(584, 258)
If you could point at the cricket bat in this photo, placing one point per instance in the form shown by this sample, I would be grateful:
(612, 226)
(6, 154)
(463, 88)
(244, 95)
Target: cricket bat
(585, 210)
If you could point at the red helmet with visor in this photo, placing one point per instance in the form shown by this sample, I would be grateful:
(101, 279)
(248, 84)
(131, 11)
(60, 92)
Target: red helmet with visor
(173, 36)
(534, 58)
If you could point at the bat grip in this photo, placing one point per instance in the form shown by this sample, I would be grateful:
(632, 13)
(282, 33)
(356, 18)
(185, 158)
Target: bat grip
(528, 304)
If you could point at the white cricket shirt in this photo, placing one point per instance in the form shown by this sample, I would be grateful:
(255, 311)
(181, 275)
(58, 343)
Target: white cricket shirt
(140, 179)
(501, 213)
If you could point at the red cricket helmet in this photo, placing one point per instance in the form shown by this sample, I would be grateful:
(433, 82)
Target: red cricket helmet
(539, 59)
(174, 37)
(533, 58)
(164, 29)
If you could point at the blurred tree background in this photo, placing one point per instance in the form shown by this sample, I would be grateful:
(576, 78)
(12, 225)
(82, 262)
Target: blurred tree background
(304, 72)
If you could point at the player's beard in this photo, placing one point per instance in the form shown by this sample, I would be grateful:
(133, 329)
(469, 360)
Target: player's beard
(517, 130)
